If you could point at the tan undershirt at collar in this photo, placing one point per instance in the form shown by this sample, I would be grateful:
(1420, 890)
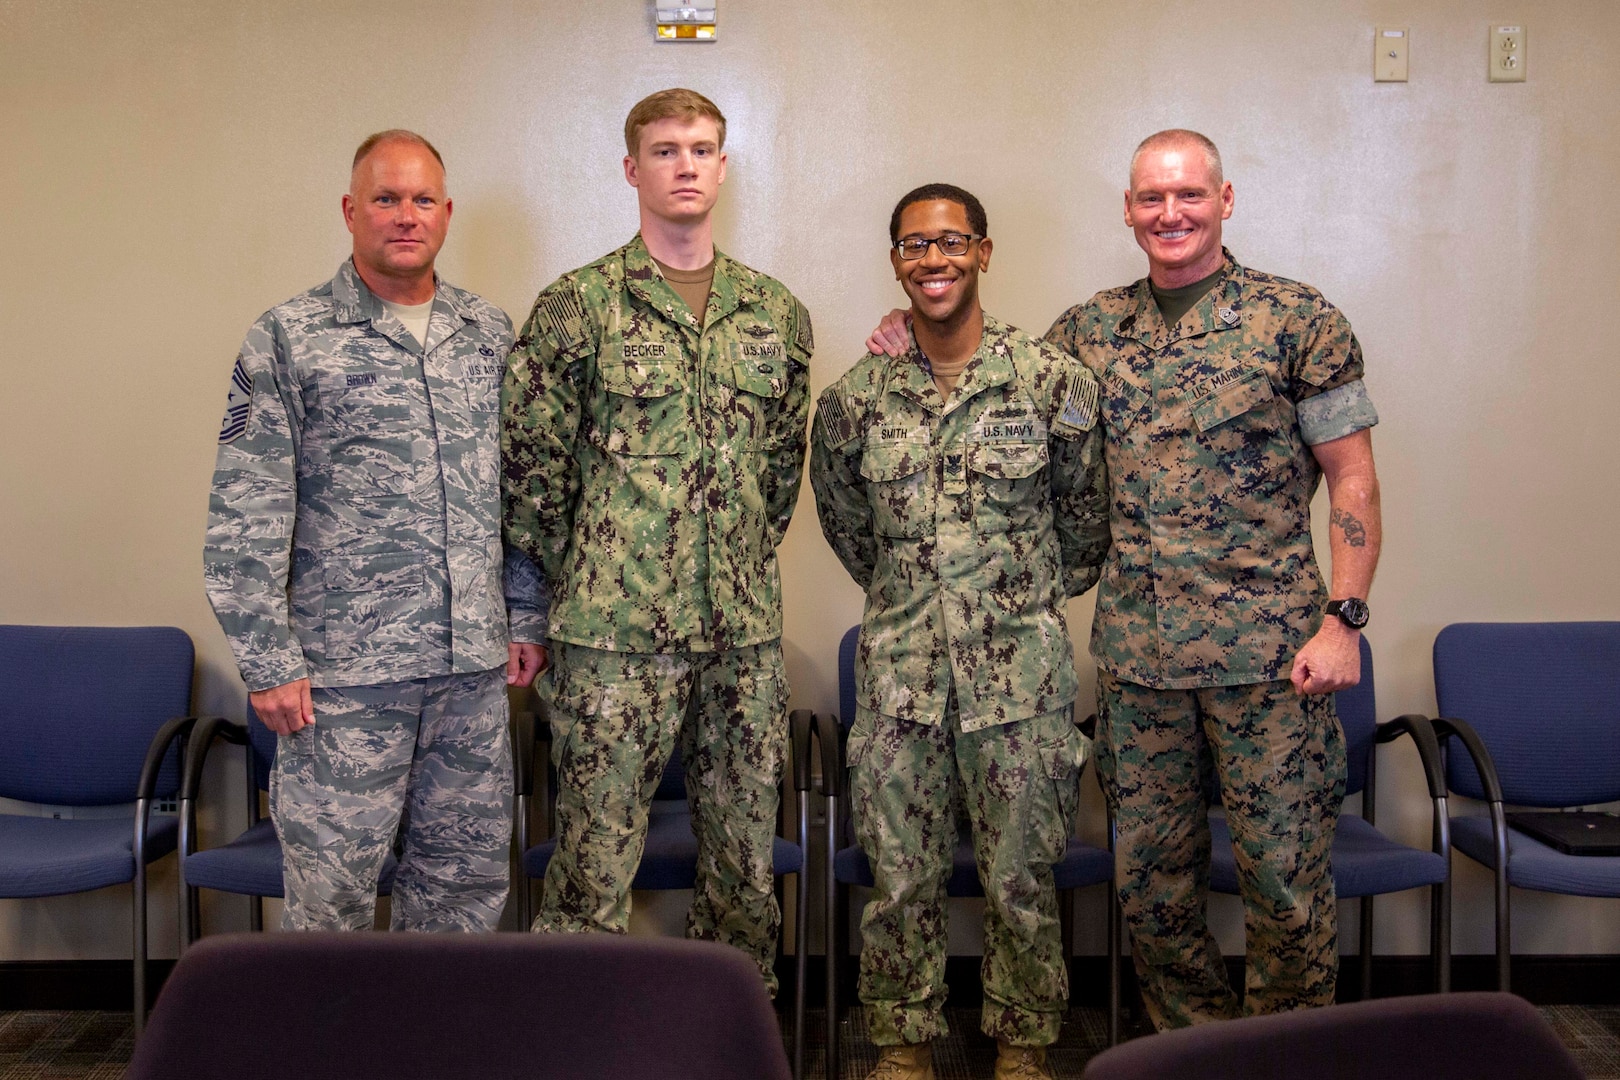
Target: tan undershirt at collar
(945, 374)
(693, 286)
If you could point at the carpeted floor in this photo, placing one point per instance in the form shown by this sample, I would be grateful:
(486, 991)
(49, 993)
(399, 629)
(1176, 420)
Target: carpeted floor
(96, 1045)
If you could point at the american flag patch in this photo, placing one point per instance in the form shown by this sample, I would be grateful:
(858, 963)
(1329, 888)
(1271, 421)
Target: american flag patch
(567, 318)
(837, 426)
(1079, 407)
(238, 405)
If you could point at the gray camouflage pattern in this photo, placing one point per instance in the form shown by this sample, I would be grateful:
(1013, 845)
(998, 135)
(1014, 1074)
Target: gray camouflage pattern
(968, 523)
(354, 523)
(1278, 759)
(1213, 580)
(653, 456)
(616, 718)
(429, 760)
(1019, 785)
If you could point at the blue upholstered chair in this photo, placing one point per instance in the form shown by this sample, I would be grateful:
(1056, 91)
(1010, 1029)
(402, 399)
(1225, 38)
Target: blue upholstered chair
(1543, 702)
(250, 864)
(669, 860)
(461, 1007)
(1082, 865)
(1367, 863)
(89, 718)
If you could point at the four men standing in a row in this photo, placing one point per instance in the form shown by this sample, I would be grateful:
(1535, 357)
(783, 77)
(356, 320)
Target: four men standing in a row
(650, 439)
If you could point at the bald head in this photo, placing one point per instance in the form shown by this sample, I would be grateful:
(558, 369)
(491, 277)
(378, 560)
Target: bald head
(1180, 139)
(391, 137)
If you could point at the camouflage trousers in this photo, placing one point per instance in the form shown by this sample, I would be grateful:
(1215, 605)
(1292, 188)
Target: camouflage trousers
(1019, 785)
(616, 718)
(1278, 759)
(429, 760)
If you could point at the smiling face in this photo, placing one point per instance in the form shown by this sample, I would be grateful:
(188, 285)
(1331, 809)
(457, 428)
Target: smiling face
(678, 170)
(943, 288)
(399, 214)
(1175, 206)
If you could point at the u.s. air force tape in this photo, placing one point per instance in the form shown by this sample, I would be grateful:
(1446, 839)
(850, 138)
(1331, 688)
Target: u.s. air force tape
(567, 318)
(837, 425)
(238, 405)
(1079, 407)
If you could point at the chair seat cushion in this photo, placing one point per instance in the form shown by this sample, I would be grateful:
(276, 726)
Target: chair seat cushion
(1081, 865)
(1365, 861)
(1535, 865)
(669, 860)
(250, 865)
(50, 857)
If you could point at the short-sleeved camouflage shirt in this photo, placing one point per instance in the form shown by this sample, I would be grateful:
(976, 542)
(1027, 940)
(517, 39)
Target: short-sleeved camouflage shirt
(969, 522)
(1212, 579)
(652, 455)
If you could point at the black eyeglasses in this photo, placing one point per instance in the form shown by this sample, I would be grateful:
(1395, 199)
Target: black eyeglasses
(915, 247)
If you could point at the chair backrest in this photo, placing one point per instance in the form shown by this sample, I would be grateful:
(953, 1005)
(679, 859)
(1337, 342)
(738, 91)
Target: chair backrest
(448, 1006)
(1358, 716)
(1436, 1037)
(1545, 700)
(846, 677)
(81, 706)
(263, 742)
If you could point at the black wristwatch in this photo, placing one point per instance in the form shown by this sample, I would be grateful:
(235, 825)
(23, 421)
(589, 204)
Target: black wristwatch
(1352, 612)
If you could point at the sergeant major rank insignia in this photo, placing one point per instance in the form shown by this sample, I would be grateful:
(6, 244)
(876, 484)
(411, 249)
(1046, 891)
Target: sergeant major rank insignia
(1079, 407)
(238, 405)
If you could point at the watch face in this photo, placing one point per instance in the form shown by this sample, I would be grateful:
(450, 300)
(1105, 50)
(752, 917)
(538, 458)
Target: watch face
(1353, 612)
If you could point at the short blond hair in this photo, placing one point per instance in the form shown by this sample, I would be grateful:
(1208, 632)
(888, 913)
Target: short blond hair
(393, 135)
(676, 104)
(1173, 137)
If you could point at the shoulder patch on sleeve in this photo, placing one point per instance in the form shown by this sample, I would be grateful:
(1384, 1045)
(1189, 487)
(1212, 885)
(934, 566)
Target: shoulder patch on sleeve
(238, 405)
(803, 336)
(836, 420)
(562, 310)
(1079, 413)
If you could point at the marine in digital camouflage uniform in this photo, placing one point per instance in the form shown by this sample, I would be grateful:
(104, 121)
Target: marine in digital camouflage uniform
(969, 514)
(354, 561)
(653, 451)
(1210, 627)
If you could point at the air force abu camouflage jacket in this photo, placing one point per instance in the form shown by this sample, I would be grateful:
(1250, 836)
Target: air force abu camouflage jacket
(968, 523)
(1209, 427)
(354, 524)
(653, 457)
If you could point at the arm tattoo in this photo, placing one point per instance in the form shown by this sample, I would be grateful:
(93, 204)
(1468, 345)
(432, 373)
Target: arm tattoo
(1355, 533)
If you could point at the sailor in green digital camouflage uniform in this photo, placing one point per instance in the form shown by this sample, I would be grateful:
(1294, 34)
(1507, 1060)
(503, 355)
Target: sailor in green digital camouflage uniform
(1226, 395)
(654, 422)
(962, 486)
(354, 560)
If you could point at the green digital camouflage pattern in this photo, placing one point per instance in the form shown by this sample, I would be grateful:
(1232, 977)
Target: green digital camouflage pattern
(616, 718)
(1278, 758)
(1019, 784)
(652, 461)
(1209, 424)
(968, 524)
(429, 760)
(354, 524)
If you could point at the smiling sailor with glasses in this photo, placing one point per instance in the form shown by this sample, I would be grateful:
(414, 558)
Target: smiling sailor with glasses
(961, 484)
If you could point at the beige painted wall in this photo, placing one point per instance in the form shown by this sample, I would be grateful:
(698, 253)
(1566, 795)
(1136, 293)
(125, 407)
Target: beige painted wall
(169, 170)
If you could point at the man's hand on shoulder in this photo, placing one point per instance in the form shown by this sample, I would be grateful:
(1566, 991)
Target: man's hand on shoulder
(1329, 662)
(524, 662)
(892, 336)
(285, 708)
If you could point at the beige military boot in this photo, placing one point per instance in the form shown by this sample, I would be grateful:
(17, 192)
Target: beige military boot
(915, 1062)
(1020, 1062)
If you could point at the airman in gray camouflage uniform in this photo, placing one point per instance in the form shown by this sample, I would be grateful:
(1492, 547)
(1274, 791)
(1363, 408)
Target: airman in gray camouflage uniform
(653, 451)
(354, 561)
(969, 506)
(1210, 620)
